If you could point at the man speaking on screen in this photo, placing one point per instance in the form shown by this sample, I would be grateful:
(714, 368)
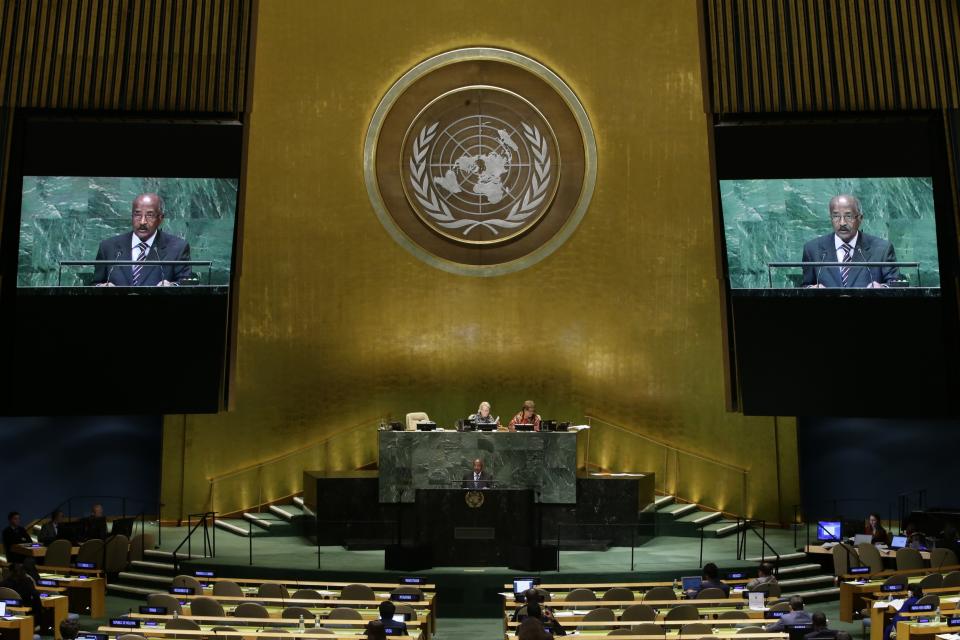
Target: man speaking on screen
(146, 242)
(845, 245)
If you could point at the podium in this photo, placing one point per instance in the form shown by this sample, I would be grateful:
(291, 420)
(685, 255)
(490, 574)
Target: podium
(485, 527)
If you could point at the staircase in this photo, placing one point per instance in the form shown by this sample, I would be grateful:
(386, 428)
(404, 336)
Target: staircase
(277, 520)
(685, 519)
(153, 574)
(798, 577)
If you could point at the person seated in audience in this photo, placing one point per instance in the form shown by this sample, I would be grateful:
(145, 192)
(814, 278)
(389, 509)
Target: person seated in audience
(13, 535)
(95, 525)
(387, 611)
(534, 610)
(796, 615)
(375, 630)
(710, 580)
(23, 584)
(530, 596)
(532, 629)
(764, 576)
(916, 592)
(50, 530)
(820, 630)
(483, 415)
(875, 529)
(69, 630)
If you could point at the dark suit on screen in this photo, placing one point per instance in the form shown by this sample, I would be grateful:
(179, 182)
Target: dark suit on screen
(484, 482)
(165, 247)
(868, 249)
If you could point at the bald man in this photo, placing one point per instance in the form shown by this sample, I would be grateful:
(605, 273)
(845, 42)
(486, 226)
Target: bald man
(848, 244)
(145, 242)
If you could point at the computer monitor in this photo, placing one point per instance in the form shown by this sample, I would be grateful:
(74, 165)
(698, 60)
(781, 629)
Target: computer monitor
(426, 426)
(3, 609)
(523, 427)
(487, 427)
(548, 425)
(862, 538)
(898, 542)
(400, 617)
(521, 585)
(691, 583)
(123, 526)
(828, 531)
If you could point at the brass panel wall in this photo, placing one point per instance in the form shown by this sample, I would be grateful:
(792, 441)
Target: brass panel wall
(833, 55)
(339, 326)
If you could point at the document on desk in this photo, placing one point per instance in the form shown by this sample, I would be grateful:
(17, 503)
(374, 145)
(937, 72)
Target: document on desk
(883, 604)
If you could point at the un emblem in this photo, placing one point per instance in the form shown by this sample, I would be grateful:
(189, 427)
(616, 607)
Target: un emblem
(474, 499)
(480, 161)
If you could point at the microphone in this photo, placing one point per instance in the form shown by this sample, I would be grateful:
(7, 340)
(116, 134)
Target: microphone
(153, 248)
(113, 266)
(869, 272)
(816, 277)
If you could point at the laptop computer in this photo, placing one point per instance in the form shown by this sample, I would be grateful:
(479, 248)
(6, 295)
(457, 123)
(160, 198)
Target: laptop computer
(426, 426)
(862, 538)
(691, 583)
(898, 542)
(520, 587)
(3, 609)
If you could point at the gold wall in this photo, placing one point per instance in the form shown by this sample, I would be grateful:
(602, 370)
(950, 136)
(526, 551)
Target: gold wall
(339, 326)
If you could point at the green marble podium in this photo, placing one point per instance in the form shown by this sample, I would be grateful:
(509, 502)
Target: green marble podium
(542, 461)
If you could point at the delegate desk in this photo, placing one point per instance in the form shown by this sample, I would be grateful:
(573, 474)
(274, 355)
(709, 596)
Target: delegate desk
(882, 611)
(246, 633)
(475, 527)
(54, 612)
(416, 628)
(543, 461)
(87, 594)
(854, 593)
(37, 550)
(16, 628)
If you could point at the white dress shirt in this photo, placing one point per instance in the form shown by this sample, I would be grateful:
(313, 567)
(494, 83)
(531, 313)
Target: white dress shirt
(135, 245)
(838, 244)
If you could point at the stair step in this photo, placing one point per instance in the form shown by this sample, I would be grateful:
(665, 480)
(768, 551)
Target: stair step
(147, 565)
(298, 500)
(233, 526)
(784, 557)
(794, 569)
(701, 517)
(157, 553)
(145, 577)
(677, 510)
(287, 511)
(807, 581)
(818, 594)
(662, 501)
(126, 588)
(723, 528)
(259, 520)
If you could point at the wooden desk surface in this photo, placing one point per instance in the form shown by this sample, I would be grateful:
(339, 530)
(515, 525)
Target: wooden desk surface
(38, 551)
(23, 624)
(312, 584)
(816, 549)
(216, 621)
(251, 632)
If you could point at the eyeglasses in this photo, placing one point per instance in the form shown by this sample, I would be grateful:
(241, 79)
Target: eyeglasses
(846, 217)
(146, 216)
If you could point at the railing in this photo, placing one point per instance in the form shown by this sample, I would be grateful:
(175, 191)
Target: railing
(745, 525)
(908, 500)
(207, 520)
(667, 461)
(262, 483)
(110, 504)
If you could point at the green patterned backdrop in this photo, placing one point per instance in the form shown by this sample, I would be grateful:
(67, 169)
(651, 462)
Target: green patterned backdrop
(770, 220)
(65, 218)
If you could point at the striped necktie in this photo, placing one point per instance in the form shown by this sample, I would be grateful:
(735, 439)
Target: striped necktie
(138, 268)
(847, 257)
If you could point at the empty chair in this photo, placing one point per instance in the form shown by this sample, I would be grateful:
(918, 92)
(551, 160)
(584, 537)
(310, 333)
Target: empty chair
(909, 559)
(273, 590)
(6, 593)
(131, 636)
(769, 588)
(206, 606)
(695, 630)
(931, 581)
(117, 553)
(406, 610)
(711, 593)
(617, 594)
(870, 557)
(736, 614)
(139, 544)
(184, 624)
(581, 595)
(601, 614)
(164, 600)
(683, 612)
(645, 629)
(414, 417)
(952, 579)
(780, 606)
(343, 613)
(306, 594)
(943, 557)
(91, 551)
(225, 629)
(190, 582)
(898, 580)
(544, 595)
(638, 613)
(357, 592)
(930, 598)
(296, 612)
(250, 610)
(58, 554)
(844, 557)
(227, 588)
(660, 593)
(409, 590)
(750, 630)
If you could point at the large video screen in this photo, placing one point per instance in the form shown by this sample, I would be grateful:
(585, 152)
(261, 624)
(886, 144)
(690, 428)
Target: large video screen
(126, 232)
(834, 233)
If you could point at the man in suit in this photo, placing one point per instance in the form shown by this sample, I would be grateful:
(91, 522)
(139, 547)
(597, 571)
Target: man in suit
(94, 526)
(478, 478)
(146, 242)
(848, 244)
(820, 630)
(387, 611)
(50, 530)
(796, 615)
(13, 535)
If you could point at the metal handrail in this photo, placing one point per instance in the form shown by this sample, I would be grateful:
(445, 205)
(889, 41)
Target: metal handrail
(677, 451)
(191, 529)
(750, 524)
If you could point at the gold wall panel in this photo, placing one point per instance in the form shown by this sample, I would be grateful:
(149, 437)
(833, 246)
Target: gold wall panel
(833, 55)
(339, 326)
